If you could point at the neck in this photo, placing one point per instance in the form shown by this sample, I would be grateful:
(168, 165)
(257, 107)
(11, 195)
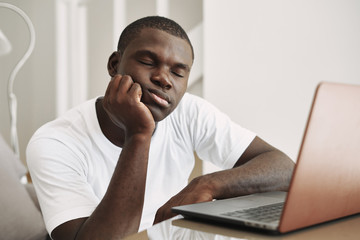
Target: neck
(114, 133)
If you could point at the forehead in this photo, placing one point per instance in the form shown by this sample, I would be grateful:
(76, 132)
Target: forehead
(161, 43)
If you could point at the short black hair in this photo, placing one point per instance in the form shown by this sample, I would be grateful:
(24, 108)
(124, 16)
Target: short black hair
(156, 22)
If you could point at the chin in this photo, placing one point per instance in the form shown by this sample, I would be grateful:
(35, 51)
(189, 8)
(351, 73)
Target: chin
(158, 114)
(158, 117)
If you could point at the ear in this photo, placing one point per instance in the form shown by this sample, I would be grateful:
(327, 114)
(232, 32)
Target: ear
(113, 63)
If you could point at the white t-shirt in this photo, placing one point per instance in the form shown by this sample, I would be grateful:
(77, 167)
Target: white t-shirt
(71, 162)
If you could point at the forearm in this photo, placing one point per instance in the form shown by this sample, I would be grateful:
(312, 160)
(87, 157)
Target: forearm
(119, 212)
(269, 171)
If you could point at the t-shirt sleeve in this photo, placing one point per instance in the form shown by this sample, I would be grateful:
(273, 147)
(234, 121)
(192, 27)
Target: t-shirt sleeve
(216, 138)
(60, 181)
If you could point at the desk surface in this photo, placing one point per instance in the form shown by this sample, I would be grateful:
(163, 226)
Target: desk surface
(347, 228)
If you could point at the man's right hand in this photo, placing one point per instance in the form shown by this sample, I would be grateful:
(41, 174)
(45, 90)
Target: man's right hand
(119, 211)
(122, 102)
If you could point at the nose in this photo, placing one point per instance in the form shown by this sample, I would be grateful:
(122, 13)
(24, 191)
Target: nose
(161, 78)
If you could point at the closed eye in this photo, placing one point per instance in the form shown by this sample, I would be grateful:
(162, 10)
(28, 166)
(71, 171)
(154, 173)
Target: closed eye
(180, 70)
(177, 74)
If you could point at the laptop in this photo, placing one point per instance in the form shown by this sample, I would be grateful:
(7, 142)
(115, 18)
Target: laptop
(326, 181)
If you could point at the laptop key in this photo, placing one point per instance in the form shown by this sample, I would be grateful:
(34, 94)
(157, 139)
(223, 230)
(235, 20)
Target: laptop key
(267, 213)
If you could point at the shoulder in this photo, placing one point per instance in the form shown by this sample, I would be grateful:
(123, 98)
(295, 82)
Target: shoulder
(196, 115)
(68, 130)
(73, 118)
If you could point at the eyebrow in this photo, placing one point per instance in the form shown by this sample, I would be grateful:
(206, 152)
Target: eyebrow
(155, 56)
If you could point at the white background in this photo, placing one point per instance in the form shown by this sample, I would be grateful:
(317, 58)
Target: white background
(263, 60)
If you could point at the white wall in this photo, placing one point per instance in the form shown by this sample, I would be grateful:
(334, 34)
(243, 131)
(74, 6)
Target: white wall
(263, 59)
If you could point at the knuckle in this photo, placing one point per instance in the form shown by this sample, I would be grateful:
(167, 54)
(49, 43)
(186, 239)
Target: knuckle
(126, 78)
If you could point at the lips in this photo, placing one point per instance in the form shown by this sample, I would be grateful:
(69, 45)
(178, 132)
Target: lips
(159, 97)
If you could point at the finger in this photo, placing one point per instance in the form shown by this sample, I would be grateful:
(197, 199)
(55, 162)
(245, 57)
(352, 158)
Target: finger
(113, 85)
(135, 91)
(125, 84)
(163, 213)
(158, 218)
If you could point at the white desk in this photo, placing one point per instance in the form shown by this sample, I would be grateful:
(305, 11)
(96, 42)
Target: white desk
(346, 228)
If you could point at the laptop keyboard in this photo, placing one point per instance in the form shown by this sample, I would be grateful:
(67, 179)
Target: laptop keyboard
(267, 213)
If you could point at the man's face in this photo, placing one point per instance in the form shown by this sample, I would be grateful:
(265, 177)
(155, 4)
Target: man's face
(160, 63)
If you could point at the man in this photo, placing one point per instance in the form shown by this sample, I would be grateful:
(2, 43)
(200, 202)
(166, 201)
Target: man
(117, 164)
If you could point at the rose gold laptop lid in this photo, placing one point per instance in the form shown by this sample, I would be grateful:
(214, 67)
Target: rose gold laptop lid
(326, 182)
